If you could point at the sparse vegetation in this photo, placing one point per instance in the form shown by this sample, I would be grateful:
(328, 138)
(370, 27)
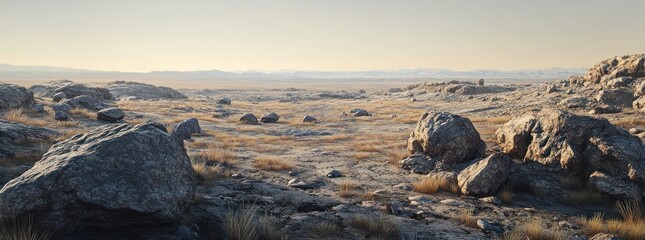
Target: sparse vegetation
(346, 188)
(377, 227)
(535, 230)
(631, 226)
(465, 216)
(247, 224)
(585, 195)
(272, 163)
(326, 229)
(506, 194)
(432, 185)
(21, 229)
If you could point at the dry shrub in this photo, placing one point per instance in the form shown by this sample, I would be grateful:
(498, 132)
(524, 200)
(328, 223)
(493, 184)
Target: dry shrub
(465, 217)
(347, 188)
(246, 224)
(631, 226)
(214, 154)
(434, 184)
(506, 194)
(535, 230)
(17, 115)
(378, 227)
(83, 113)
(397, 155)
(326, 229)
(21, 229)
(272, 163)
(594, 225)
(206, 173)
(360, 156)
(630, 210)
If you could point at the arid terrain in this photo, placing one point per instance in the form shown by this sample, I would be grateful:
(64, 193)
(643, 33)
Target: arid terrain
(466, 159)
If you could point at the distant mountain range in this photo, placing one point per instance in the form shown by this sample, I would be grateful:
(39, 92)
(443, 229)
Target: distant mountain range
(42, 72)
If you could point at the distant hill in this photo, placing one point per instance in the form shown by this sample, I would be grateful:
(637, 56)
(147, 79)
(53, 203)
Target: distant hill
(12, 72)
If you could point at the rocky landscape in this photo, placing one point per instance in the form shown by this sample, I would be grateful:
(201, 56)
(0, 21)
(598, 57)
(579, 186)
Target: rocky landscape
(433, 160)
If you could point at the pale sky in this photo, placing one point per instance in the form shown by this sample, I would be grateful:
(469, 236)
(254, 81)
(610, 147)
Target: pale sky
(146, 35)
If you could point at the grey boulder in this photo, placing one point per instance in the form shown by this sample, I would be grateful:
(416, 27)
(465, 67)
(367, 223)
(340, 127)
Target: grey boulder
(59, 96)
(485, 176)
(249, 118)
(83, 101)
(620, 97)
(360, 113)
(185, 129)
(61, 116)
(63, 107)
(270, 117)
(113, 176)
(14, 96)
(112, 115)
(447, 138)
(309, 119)
(18, 138)
(224, 101)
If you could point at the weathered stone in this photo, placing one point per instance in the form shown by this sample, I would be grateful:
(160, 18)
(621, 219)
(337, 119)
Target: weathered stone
(82, 101)
(18, 138)
(14, 96)
(38, 107)
(334, 174)
(572, 143)
(604, 236)
(186, 128)
(249, 118)
(61, 116)
(112, 115)
(113, 176)
(620, 97)
(485, 176)
(123, 89)
(360, 113)
(616, 188)
(63, 107)
(224, 101)
(270, 117)
(574, 102)
(623, 66)
(59, 96)
(447, 138)
(604, 109)
(309, 119)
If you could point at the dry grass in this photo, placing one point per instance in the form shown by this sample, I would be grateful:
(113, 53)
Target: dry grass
(360, 156)
(493, 120)
(587, 196)
(346, 188)
(506, 194)
(207, 173)
(21, 229)
(334, 138)
(272, 163)
(535, 230)
(431, 185)
(83, 113)
(465, 217)
(572, 182)
(246, 224)
(377, 227)
(629, 122)
(69, 123)
(68, 134)
(215, 155)
(397, 155)
(370, 146)
(631, 226)
(326, 229)
(18, 115)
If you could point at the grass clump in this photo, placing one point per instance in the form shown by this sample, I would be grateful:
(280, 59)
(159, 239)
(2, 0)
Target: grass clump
(346, 188)
(21, 229)
(376, 227)
(535, 230)
(272, 163)
(247, 224)
(434, 184)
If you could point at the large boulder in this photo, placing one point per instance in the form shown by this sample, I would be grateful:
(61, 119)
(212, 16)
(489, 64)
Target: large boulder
(113, 176)
(17, 138)
(270, 117)
(83, 101)
(14, 96)
(574, 102)
(112, 115)
(620, 97)
(248, 118)
(186, 128)
(77, 89)
(619, 189)
(122, 89)
(485, 176)
(446, 138)
(47, 89)
(632, 66)
(571, 143)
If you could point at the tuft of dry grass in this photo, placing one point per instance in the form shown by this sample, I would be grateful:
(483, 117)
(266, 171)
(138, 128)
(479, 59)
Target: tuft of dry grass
(214, 154)
(22, 229)
(68, 134)
(572, 182)
(246, 224)
(326, 229)
(346, 188)
(360, 156)
(207, 173)
(334, 138)
(433, 184)
(377, 227)
(588, 196)
(465, 217)
(506, 194)
(630, 210)
(272, 163)
(83, 113)
(535, 230)
(18, 115)
(631, 226)
(594, 225)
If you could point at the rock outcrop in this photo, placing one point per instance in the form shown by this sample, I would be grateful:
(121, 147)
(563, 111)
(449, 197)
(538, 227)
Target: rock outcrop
(17, 138)
(113, 176)
(123, 89)
(632, 66)
(77, 89)
(185, 129)
(112, 115)
(83, 101)
(446, 138)
(485, 176)
(574, 144)
(621, 97)
(14, 96)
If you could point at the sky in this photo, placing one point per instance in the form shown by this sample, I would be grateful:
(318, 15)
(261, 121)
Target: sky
(329, 35)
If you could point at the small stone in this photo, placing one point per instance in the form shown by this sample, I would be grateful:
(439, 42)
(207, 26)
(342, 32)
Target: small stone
(309, 119)
(112, 115)
(293, 173)
(224, 101)
(61, 116)
(334, 174)
(361, 113)
(59, 96)
(39, 108)
(237, 175)
(484, 225)
(604, 236)
(269, 117)
(63, 107)
(249, 118)
(491, 199)
(635, 131)
(404, 186)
